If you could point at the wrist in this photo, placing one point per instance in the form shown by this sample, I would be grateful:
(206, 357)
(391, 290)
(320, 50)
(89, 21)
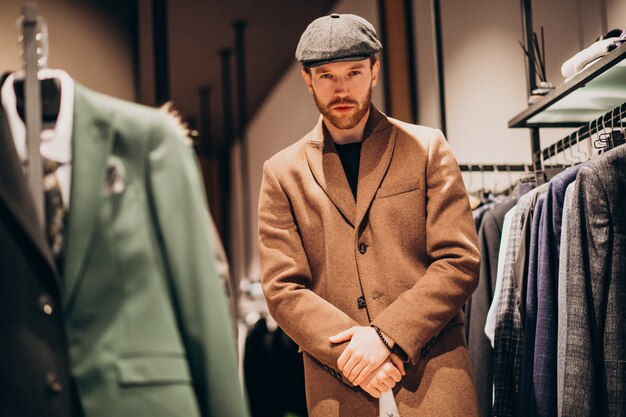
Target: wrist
(387, 341)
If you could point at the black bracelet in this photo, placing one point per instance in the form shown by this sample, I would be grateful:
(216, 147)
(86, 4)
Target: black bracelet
(380, 334)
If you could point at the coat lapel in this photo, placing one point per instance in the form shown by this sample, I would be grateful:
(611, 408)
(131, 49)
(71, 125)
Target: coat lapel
(91, 144)
(16, 195)
(328, 171)
(376, 152)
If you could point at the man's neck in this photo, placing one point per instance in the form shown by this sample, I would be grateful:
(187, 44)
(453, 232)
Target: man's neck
(343, 136)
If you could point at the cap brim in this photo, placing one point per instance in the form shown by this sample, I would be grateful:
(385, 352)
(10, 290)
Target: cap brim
(317, 63)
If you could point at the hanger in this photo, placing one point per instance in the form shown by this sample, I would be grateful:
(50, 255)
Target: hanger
(50, 86)
(570, 145)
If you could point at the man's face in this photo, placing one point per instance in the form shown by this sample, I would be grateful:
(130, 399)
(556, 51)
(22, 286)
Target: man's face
(343, 90)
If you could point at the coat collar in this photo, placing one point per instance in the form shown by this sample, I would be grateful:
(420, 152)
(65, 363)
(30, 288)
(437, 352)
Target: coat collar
(376, 151)
(92, 137)
(14, 193)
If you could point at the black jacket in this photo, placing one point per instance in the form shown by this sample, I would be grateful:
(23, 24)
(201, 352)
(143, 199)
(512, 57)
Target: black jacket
(34, 364)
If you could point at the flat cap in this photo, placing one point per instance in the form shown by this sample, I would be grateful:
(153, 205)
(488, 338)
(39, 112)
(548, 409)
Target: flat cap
(336, 38)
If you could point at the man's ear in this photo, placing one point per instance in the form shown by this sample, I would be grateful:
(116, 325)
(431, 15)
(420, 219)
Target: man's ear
(375, 69)
(307, 80)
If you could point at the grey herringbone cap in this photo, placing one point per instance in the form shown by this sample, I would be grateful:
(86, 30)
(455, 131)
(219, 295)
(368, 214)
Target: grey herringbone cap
(335, 38)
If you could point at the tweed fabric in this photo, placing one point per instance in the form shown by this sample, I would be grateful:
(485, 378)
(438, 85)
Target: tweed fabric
(336, 38)
(508, 333)
(562, 297)
(595, 358)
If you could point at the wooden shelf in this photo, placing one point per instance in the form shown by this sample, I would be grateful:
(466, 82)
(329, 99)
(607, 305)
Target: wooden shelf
(587, 96)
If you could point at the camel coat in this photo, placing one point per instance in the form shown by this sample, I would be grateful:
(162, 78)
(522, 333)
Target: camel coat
(403, 257)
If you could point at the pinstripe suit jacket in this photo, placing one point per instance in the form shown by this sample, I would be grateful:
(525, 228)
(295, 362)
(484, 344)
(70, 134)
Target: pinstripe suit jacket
(595, 360)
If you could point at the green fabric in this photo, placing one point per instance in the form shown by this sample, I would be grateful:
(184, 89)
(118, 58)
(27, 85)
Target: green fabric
(148, 325)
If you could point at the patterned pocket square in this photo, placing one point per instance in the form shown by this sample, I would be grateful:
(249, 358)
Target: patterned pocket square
(115, 178)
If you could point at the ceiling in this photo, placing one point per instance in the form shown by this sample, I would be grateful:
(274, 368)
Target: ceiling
(199, 30)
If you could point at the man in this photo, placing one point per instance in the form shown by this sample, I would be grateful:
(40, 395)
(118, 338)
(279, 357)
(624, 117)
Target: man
(368, 249)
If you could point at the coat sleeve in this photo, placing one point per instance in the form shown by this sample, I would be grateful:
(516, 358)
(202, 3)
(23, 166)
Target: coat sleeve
(185, 235)
(417, 316)
(306, 317)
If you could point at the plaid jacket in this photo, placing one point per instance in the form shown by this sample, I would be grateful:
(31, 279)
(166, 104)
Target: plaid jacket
(595, 358)
(507, 354)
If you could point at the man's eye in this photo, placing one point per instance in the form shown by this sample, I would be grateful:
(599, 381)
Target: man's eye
(353, 73)
(327, 76)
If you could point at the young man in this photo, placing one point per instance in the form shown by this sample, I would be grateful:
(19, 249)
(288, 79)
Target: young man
(368, 248)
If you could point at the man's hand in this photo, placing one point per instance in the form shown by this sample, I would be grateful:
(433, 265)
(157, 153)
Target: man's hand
(382, 379)
(364, 353)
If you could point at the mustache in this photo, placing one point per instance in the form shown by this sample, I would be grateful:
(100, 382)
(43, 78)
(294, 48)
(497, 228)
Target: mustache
(342, 101)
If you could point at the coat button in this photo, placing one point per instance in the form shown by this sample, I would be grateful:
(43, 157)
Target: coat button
(361, 302)
(362, 247)
(52, 383)
(45, 304)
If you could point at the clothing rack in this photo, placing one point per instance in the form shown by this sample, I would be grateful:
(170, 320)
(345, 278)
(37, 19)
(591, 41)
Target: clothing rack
(504, 168)
(495, 168)
(609, 120)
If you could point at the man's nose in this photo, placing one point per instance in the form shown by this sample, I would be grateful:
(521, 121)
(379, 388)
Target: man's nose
(341, 89)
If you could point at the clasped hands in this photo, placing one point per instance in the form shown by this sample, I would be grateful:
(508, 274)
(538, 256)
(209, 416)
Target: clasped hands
(366, 361)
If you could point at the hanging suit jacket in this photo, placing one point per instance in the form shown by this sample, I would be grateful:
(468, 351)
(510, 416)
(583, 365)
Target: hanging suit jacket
(34, 363)
(595, 358)
(479, 346)
(404, 257)
(147, 321)
(539, 364)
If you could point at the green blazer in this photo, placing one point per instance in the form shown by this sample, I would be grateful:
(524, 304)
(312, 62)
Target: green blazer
(147, 321)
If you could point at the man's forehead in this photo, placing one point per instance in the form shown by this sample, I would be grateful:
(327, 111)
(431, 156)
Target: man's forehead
(336, 66)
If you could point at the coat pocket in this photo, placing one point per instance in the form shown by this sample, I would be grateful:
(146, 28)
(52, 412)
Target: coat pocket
(153, 370)
(398, 188)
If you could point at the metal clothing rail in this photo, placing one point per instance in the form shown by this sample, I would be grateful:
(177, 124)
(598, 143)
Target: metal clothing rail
(609, 120)
(495, 168)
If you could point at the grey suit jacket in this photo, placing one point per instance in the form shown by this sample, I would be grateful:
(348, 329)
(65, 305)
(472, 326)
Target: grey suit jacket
(595, 360)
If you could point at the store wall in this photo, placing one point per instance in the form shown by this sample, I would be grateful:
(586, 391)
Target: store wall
(616, 13)
(485, 73)
(287, 114)
(90, 40)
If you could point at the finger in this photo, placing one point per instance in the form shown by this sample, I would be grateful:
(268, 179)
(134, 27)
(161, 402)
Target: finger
(342, 336)
(356, 372)
(398, 363)
(363, 375)
(392, 372)
(389, 382)
(344, 357)
(382, 387)
(349, 365)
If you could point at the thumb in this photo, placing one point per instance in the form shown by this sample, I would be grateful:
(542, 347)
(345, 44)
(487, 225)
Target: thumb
(397, 363)
(343, 336)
